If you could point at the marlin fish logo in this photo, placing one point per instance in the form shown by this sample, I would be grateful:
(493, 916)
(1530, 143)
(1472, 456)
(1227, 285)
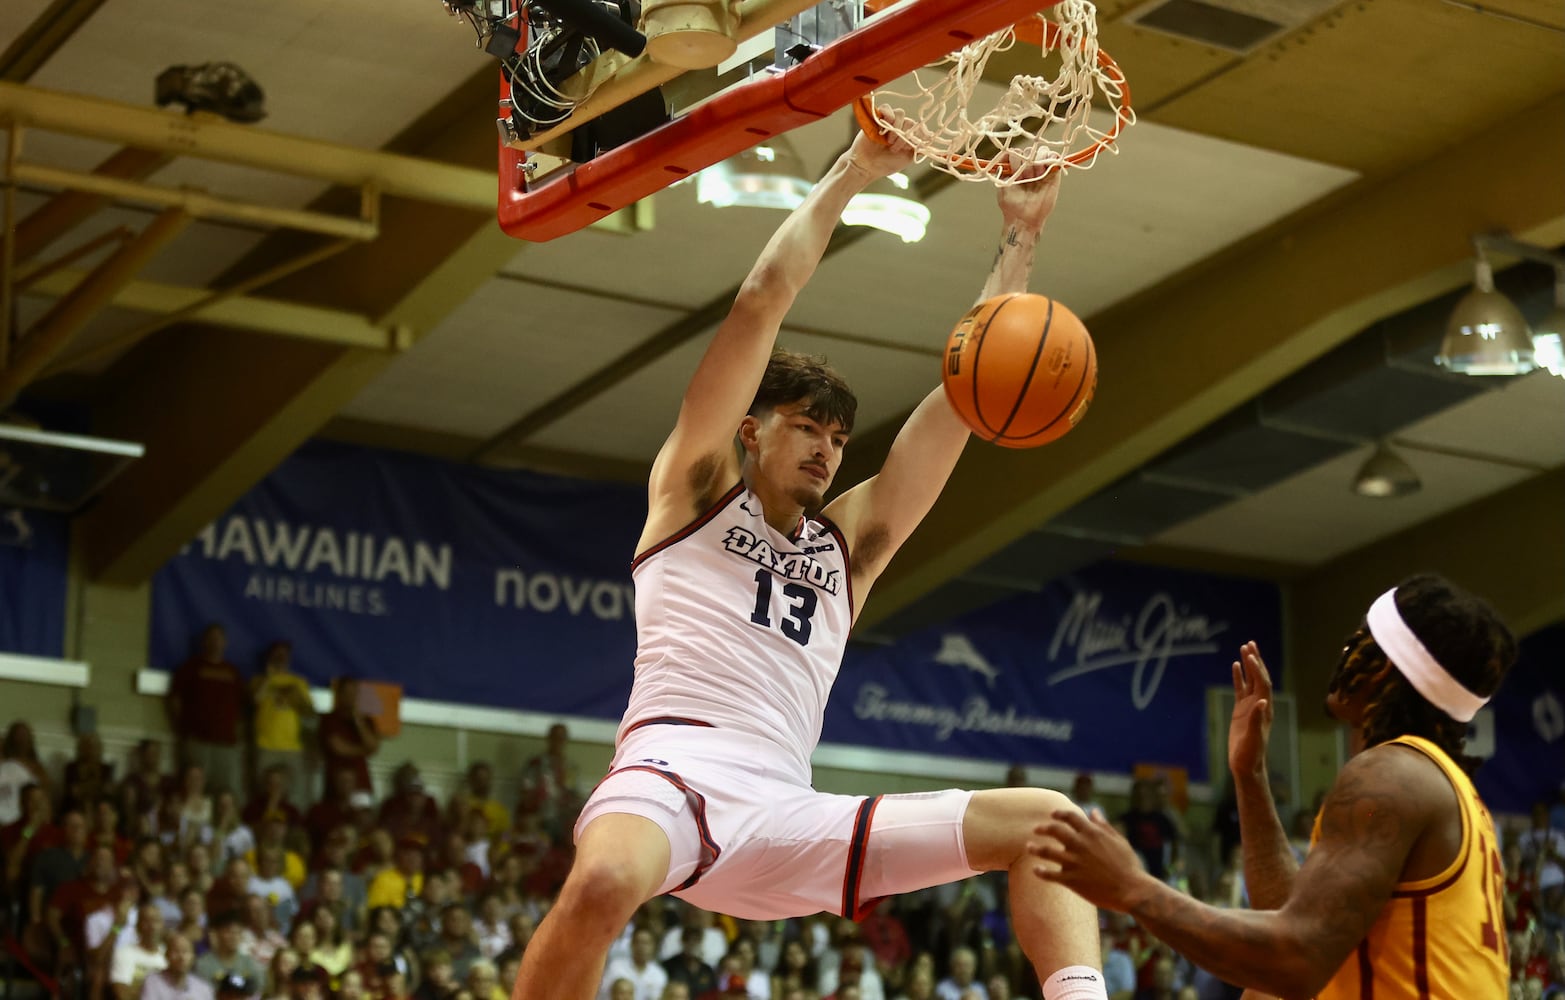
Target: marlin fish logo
(22, 532)
(957, 651)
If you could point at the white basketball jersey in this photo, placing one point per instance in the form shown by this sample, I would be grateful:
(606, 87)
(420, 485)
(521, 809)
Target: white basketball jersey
(741, 626)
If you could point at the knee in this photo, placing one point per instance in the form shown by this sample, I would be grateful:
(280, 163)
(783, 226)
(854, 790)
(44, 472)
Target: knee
(1050, 802)
(1001, 822)
(602, 887)
(1027, 805)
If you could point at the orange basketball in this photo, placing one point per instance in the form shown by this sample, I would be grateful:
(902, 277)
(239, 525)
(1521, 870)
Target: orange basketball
(1020, 370)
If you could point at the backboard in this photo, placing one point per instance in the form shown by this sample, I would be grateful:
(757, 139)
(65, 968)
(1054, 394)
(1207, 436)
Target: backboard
(556, 180)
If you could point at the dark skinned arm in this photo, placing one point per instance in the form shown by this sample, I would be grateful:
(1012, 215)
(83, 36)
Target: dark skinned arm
(1269, 866)
(1381, 804)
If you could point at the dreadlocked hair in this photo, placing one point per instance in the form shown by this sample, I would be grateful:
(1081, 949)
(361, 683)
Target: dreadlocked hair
(802, 378)
(1465, 637)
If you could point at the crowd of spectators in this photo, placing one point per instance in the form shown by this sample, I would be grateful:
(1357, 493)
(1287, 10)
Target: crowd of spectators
(139, 882)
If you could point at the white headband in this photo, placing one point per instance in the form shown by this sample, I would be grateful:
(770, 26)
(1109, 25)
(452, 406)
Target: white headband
(1422, 670)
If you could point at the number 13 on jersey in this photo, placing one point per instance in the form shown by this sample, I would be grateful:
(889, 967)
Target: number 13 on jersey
(798, 604)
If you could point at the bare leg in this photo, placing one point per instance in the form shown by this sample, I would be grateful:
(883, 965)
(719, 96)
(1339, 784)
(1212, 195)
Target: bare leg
(1055, 927)
(621, 860)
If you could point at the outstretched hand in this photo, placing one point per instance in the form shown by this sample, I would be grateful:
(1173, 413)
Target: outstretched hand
(1250, 727)
(884, 155)
(1029, 201)
(1092, 859)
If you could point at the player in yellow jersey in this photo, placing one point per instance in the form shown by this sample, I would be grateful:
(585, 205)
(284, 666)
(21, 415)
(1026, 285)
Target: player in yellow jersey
(1400, 896)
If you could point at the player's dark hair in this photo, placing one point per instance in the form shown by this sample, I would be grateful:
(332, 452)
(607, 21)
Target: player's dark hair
(802, 378)
(1461, 632)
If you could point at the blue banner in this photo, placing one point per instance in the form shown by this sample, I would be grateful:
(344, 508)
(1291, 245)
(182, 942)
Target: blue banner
(1102, 670)
(1528, 764)
(512, 590)
(499, 588)
(34, 555)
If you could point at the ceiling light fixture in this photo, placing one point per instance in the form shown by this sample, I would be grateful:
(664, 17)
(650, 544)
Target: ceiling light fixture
(891, 205)
(770, 175)
(1548, 337)
(1386, 474)
(1487, 334)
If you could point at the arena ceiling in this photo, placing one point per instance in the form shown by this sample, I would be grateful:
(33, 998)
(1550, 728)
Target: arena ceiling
(1250, 267)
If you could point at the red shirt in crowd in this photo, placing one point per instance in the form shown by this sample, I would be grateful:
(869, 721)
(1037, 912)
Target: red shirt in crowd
(886, 938)
(324, 817)
(224, 898)
(400, 817)
(340, 725)
(75, 900)
(211, 699)
(45, 836)
(114, 842)
(1538, 968)
(257, 811)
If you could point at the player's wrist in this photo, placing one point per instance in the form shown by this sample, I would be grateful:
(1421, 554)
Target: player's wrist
(858, 172)
(1251, 779)
(1023, 228)
(1141, 892)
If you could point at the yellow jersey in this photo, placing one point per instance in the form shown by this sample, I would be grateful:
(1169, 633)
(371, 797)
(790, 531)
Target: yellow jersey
(277, 721)
(392, 888)
(1439, 938)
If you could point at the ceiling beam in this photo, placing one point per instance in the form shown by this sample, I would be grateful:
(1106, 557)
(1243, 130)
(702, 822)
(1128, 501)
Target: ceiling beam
(1508, 548)
(69, 209)
(41, 39)
(256, 399)
(241, 312)
(1176, 358)
(469, 184)
(76, 308)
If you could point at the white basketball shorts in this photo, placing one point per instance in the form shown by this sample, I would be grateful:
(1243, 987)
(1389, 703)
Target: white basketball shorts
(749, 837)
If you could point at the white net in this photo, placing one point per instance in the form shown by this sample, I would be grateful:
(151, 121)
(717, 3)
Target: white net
(1037, 122)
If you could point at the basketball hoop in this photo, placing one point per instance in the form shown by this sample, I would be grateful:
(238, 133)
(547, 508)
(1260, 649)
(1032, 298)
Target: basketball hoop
(1037, 122)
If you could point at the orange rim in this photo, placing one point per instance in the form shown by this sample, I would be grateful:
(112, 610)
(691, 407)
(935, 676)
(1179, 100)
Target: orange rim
(1036, 31)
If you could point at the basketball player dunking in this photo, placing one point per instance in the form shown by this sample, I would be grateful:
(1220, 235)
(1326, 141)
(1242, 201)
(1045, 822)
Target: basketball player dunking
(744, 600)
(1401, 895)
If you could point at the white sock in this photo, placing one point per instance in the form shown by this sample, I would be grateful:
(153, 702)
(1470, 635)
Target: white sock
(1078, 982)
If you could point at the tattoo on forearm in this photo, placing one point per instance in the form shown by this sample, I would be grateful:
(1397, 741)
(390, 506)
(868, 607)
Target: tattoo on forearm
(1012, 239)
(1269, 865)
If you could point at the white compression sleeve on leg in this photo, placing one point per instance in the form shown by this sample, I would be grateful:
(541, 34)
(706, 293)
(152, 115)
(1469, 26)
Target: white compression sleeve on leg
(1078, 982)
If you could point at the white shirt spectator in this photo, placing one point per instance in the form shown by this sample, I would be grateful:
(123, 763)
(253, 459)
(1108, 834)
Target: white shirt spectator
(195, 820)
(14, 776)
(649, 981)
(238, 843)
(947, 989)
(1119, 972)
(1549, 876)
(132, 964)
(492, 939)
(1542, 845)
(158, 986)
(478, 854)
(278, 893)
(713, 946)
(100, 921)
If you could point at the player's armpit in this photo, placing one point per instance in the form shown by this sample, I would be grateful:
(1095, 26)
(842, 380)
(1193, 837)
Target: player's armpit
(879, 514)
(1382, 803)
(716, 399)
